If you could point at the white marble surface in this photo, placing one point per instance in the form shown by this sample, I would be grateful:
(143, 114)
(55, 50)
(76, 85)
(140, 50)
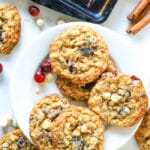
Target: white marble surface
(117, 22)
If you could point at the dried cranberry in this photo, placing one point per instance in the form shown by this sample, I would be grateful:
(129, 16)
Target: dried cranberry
(72, 68)
(86, 51)
(88, 86)
(46, 66)
(39, 77)
(133, 77)
(34, 11)
(1, 68)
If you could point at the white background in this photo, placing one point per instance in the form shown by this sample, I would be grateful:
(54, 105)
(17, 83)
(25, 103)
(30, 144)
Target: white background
(117, 22)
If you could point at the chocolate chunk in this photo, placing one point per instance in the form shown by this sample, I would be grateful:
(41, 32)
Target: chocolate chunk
(55, 113)
(47, 135)
(86, 51)
(88, 86)
(128, 93)
(142, 95)
(72, 69)
(1, 32)
(77, 143)
(21, 142)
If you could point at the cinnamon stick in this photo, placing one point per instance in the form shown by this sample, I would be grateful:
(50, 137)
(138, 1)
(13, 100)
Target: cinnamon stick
(140, 22)
(138, 9)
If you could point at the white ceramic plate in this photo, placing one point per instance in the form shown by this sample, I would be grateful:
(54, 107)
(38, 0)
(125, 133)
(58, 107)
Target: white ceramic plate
(23, 87)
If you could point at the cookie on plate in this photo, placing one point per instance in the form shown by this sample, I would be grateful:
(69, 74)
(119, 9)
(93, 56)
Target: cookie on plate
(15, 140)
(10, 27)
(42, 116)
(78, 128)
(79, 54)
(143, 133)
(111, 66)
(119, 99)
(76, 92)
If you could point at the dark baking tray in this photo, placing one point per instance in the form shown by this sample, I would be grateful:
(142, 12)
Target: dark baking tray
(96, 11)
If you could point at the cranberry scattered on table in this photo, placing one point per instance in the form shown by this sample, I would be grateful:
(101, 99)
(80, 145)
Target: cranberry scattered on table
(34, 11)
(43, 69)
(39, 77)
(1, 67)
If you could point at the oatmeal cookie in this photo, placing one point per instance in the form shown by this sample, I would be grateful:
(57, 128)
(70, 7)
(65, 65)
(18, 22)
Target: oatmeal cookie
(143, 133)
(78, 128)
(76, 92)
(79, 54)
(119, 99)
(111, 66)
(15, 140)
(42, 117)
(10, 27)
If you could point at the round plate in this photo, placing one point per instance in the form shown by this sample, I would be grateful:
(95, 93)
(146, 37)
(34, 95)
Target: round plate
(23, 87)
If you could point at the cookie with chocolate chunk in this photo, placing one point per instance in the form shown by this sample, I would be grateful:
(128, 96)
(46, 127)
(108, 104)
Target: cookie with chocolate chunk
(15, 140)
(119, 99)
(10, 27)
(79, 54)
(43, 114)
(78, 128)
(143, 133)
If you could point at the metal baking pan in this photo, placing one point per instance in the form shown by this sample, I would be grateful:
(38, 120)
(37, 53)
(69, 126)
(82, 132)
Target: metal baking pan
(96, 11)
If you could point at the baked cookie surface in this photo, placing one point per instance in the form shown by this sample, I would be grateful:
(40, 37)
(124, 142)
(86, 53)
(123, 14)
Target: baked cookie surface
(10, 27)
(15, 140)
(42, 116)
(119, 99)
(79, 54)
(76, 92)
(143, 133)
(78, 128)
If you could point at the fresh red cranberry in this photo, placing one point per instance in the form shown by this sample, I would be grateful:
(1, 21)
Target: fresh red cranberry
(39, 77)
(1, 67)
(133, 77)
(34, 11)
(46, 65)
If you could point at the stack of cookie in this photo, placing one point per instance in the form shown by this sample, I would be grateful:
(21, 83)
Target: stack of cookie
(80, 58)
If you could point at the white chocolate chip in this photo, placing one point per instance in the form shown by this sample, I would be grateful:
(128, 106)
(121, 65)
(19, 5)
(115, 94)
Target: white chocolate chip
(46, 124)
(93, 141)
(126, 109)
(106, 95)
(84, 129)
(49, 76)
(60, 22)
(76, 133)
(66, 142)
(38, 91)
(5, 145)
(13, 137)
(40, 22)
(115, 98)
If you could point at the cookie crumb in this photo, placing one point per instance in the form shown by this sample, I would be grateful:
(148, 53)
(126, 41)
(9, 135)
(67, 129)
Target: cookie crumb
(38, 91)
